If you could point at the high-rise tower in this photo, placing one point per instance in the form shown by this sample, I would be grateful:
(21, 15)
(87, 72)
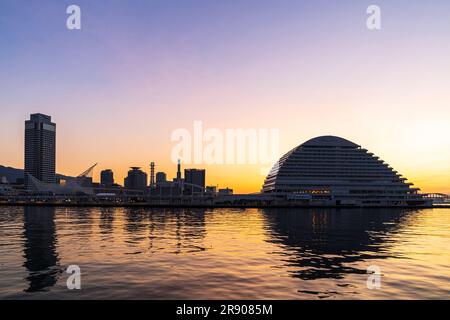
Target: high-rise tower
(179, 170)
(40, 148)
(152, 174)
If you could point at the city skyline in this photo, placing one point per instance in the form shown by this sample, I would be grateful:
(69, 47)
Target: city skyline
(227, 158)
(167, 171)
(133, 74)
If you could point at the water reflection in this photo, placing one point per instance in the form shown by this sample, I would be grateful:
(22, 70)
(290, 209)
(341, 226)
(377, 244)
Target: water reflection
(223, 253)
(328, 243)
(186, 228)
(106, 223)
(136, 224)
(41, 257)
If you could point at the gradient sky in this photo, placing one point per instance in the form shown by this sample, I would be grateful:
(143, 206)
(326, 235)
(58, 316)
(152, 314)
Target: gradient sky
(140, 69)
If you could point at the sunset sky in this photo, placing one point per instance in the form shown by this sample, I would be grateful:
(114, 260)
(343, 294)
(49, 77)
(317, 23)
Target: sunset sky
(140, 69)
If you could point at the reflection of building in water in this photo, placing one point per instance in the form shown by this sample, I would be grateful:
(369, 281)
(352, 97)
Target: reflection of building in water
(190, 229)
(177, 230)
(329, 242)
(136, 223)
(41, 258)
(106, 223)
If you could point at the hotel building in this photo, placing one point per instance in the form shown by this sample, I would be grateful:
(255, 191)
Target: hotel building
(330, 170)
(40, 148)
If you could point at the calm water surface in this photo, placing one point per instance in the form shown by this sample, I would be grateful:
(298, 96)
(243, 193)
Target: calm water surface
(224, 253)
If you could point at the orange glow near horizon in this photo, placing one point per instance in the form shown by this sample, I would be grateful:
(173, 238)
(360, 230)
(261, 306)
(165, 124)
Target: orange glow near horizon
(430, 174)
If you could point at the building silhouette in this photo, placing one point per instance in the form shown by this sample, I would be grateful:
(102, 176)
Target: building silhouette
(211, 190)
(226, 192)
(40, 148)
(194, 180)
(136, 179)
(152, 174)
(179, 171)
(107, 178)
(330, 170)
(161, 177)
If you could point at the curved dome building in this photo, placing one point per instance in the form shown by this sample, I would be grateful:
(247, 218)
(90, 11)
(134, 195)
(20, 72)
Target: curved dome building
(330, 170)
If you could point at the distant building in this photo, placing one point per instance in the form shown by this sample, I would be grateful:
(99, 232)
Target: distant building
(136, 179)
(330, 170)
(165, 189)
(225, 192)
(437, 197)
(194, 179)
(152, 174)
(6, 190)
(40, 148)
(85, 178)
(84, 181)
(179, 171)
(179, 181)
(161, 177)
(212, 190)
(107, 178)
(82, 184)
